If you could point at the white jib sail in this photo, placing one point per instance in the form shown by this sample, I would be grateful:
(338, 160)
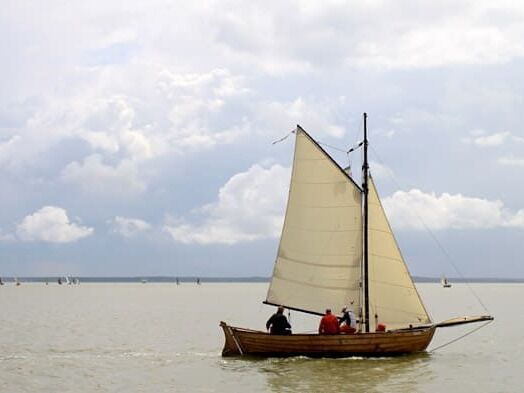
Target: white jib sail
(393, 296)
(318, 265)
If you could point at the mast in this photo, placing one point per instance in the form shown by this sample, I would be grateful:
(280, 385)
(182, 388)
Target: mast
(365, 170)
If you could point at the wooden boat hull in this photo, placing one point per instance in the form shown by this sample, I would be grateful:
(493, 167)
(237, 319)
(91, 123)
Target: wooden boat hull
(246, 342)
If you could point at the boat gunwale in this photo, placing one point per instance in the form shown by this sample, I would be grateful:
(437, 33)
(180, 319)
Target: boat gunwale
(401, 331)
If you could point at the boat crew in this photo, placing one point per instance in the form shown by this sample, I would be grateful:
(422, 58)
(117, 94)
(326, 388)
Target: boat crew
(278, 323)
(348, 322)
(328, 324)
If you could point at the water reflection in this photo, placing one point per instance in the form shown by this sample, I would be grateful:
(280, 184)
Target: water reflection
(400, 374)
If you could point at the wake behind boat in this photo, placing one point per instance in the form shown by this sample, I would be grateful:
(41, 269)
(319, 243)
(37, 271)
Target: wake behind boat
(337, 246)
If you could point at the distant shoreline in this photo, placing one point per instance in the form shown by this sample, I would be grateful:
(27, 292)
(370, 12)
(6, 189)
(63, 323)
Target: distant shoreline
(254, 279)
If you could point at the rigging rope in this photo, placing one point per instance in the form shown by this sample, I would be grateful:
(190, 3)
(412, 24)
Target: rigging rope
(461, 337)
(284, 137)
(320, 143)
(332, 147)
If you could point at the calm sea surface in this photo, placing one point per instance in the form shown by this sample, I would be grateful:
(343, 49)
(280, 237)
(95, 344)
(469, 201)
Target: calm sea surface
(166, 338)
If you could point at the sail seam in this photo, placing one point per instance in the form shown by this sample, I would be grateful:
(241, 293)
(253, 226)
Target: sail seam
(298, 205)
(391, 284)
(400, 311)
(319, 264)
(321, 230)
(281, 255)
(382, 256)
(321, 182)
(380, 230)
(313, 285)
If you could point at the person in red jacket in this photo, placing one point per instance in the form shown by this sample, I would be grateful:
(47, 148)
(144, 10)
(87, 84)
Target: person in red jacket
(328, 324)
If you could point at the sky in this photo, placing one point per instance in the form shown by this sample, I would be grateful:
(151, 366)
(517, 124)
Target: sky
(136, 137)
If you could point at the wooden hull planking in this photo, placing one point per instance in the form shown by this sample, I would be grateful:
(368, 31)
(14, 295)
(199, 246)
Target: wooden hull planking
(242, 342)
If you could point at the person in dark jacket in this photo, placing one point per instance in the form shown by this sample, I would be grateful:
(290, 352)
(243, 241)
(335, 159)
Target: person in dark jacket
(277, 323)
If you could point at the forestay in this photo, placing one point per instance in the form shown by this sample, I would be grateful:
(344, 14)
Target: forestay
(318, 263)
(393, 296)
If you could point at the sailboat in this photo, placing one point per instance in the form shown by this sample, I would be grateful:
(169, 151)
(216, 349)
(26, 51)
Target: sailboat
(445, 283)
(337, 247)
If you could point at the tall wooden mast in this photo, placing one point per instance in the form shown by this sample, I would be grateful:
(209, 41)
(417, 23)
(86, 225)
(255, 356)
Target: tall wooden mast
(365, 170)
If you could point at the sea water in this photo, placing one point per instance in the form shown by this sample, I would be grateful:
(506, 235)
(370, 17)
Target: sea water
(165, 338)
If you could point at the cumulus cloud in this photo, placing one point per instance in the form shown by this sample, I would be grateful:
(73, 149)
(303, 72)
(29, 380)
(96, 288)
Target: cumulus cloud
(250, 206)
(109, 128)
(415, 209)
(511, 161)
(129, 227)
(51, 224)
(440, 34)
(479, 138)
(171, 112)
(309, 113)
(432, 45)
(491, 140)
(94, 177)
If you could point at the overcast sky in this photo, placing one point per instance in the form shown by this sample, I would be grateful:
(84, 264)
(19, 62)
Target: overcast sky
(136, 138)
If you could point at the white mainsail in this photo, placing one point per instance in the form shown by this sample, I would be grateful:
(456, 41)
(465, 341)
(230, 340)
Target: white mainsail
(393, 296)
(318, 265)
(319, 261)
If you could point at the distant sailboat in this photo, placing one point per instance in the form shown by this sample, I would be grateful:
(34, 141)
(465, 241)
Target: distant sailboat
(445, 283)
(337, 246)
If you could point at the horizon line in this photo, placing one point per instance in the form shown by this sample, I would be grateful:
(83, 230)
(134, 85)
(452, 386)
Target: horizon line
(254, 278)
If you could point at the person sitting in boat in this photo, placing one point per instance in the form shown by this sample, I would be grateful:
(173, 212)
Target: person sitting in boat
(328, 324)
(277, 323)
(348, 322)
